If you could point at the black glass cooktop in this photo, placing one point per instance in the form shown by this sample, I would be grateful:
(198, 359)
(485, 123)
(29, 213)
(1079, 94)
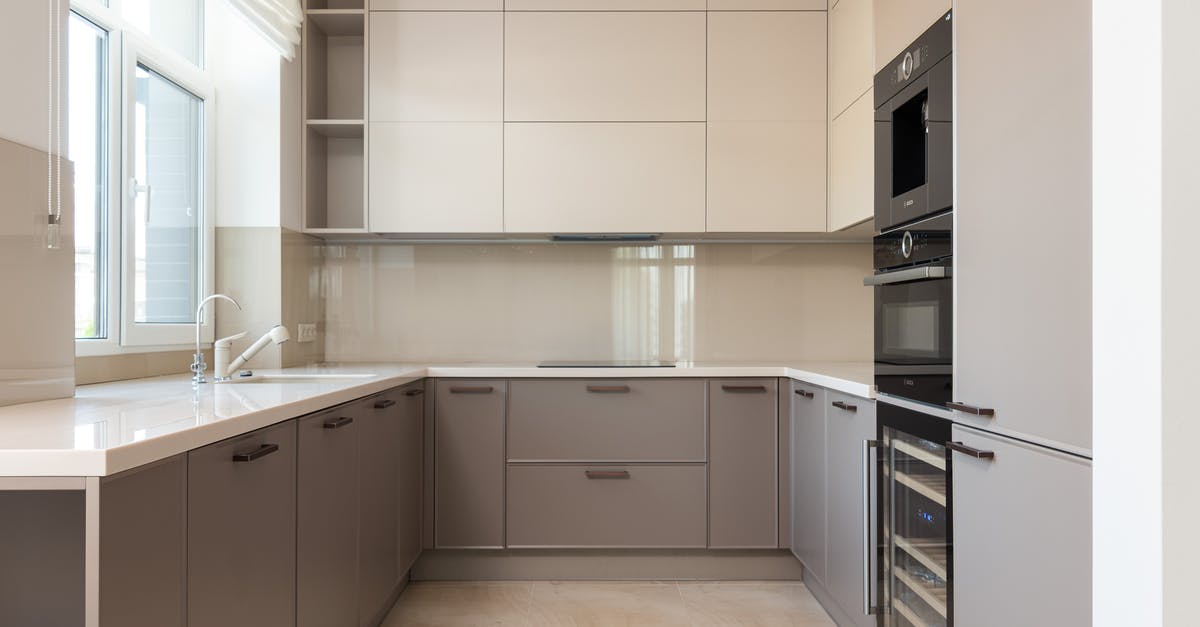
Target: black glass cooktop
(607, 364)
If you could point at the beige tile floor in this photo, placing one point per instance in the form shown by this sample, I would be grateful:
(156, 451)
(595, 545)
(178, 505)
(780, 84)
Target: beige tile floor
(607, 604)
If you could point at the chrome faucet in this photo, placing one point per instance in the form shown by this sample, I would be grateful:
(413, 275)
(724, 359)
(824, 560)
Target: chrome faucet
(198, 365)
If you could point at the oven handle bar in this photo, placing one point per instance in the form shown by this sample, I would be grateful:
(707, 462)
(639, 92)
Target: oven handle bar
(908, 274)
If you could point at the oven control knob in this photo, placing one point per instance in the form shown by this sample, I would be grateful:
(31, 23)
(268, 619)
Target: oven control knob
(906, 245)
(906, 66)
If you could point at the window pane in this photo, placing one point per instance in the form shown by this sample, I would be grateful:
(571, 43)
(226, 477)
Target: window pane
(173, 24)
(167, 228)
(87, 115)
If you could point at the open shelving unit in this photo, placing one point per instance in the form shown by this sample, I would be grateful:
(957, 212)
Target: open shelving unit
(335, 113)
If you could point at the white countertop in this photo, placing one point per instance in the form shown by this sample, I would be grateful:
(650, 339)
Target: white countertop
(111, 427)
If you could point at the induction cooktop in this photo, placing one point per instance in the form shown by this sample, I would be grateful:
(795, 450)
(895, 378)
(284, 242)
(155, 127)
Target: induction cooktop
(620, 363)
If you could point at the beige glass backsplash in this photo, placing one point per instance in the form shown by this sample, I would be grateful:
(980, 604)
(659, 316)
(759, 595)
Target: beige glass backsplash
(505, 303)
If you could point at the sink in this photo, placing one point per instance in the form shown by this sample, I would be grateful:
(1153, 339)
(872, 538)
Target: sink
(304, 377)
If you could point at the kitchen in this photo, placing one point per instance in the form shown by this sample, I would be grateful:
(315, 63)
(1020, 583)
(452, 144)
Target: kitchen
(595, 312)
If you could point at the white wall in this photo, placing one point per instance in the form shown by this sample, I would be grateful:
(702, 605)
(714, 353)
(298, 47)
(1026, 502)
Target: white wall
(245, 71)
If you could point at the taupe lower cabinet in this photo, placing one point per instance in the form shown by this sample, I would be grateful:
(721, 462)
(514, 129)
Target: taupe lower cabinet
(469, 464)
(742, 470)
(326, 518)
(378, 502)
(1007, 511)
(241, 563)
(847, 426)
(143, 545)
(410, 472)
(808, 476)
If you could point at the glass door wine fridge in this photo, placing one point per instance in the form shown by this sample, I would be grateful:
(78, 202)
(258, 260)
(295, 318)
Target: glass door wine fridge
(914, 561)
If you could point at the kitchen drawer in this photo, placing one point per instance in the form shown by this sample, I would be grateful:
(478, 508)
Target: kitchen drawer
(607, 506)
(606, 420)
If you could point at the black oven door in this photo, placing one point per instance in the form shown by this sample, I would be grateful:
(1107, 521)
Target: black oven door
(913, 333)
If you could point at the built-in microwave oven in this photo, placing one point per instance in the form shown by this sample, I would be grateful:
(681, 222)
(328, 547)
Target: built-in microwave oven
(914, 157)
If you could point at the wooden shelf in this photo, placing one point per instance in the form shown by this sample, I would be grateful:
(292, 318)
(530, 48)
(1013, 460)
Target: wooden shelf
(908, 613)
(338, 22)
(934, 596)
(337, 128)
(930, 486)
(931, 556)
(916, 452)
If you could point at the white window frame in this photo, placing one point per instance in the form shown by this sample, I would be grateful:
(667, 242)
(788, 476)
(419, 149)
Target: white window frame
(127, 48)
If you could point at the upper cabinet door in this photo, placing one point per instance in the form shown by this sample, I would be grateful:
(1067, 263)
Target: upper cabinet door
(604, 5)
(851, 54)
(436, 67)
(604, 66)
(852, 163)
(765, 5)
(604, 178)
(899, 22)
(1023, 212)
(437, 5)
(766, 121)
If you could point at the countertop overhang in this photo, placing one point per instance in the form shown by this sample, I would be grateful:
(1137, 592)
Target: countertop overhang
(111, 427)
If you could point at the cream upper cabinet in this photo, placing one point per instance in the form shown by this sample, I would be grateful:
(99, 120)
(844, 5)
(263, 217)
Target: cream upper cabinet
(765, 5)
(899, 22)
(604, 66)
(852, 163)
(851, 53)
(435, 149)
(604, 178)
(766, 121)
(437, 5)
(604, 5)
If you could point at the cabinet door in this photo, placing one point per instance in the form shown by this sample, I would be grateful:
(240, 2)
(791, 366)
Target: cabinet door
(851, 58)
(851, 162)
(604, 178)
(1039, 552)
(766, 121)
(1010, 307)
(742, 469)
(409, 507)
(846, 429)
(604, 66)
(469, 433)
(808, 477)
(899, 22)
(379, 488)
(241, 531)
(767, 5)
(143, 545)
(327, 519)
(435, 122)
(605, 5)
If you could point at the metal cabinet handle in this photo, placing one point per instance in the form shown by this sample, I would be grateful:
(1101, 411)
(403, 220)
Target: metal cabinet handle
(608, 389)
(338, 423)
(843, 406)
(481, 389)
(971, 409)
(967, 450)
(606, 474)
(869, 607)
(744, 389)
(416, 392)
(261, 451)
(805, 393)
(384, 404)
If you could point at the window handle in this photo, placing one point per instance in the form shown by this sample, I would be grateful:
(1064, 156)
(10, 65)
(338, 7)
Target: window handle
(136, 189)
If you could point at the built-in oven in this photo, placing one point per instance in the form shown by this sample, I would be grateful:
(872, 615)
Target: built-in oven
(914, 145)
(914, 310)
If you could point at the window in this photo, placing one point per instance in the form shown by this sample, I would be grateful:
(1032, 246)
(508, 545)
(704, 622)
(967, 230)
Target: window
(141, 111)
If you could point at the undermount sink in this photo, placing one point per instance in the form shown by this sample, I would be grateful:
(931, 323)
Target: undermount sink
(299, 377)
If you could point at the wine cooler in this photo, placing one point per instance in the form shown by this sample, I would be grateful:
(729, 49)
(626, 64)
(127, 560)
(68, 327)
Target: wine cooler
(914, 565)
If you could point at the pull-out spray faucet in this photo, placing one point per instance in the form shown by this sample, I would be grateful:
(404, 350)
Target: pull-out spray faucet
(198, 365)
(223, 370)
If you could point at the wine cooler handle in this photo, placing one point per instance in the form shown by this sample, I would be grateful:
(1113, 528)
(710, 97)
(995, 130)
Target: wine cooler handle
(869, 607)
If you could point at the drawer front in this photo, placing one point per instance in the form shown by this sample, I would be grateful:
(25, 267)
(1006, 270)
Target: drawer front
(606, 420)
(630, 506)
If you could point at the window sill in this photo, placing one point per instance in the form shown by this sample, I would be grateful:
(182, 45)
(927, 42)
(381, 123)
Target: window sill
(102, 348)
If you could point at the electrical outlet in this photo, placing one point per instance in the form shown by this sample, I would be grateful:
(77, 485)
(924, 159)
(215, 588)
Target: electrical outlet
(306, 332)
